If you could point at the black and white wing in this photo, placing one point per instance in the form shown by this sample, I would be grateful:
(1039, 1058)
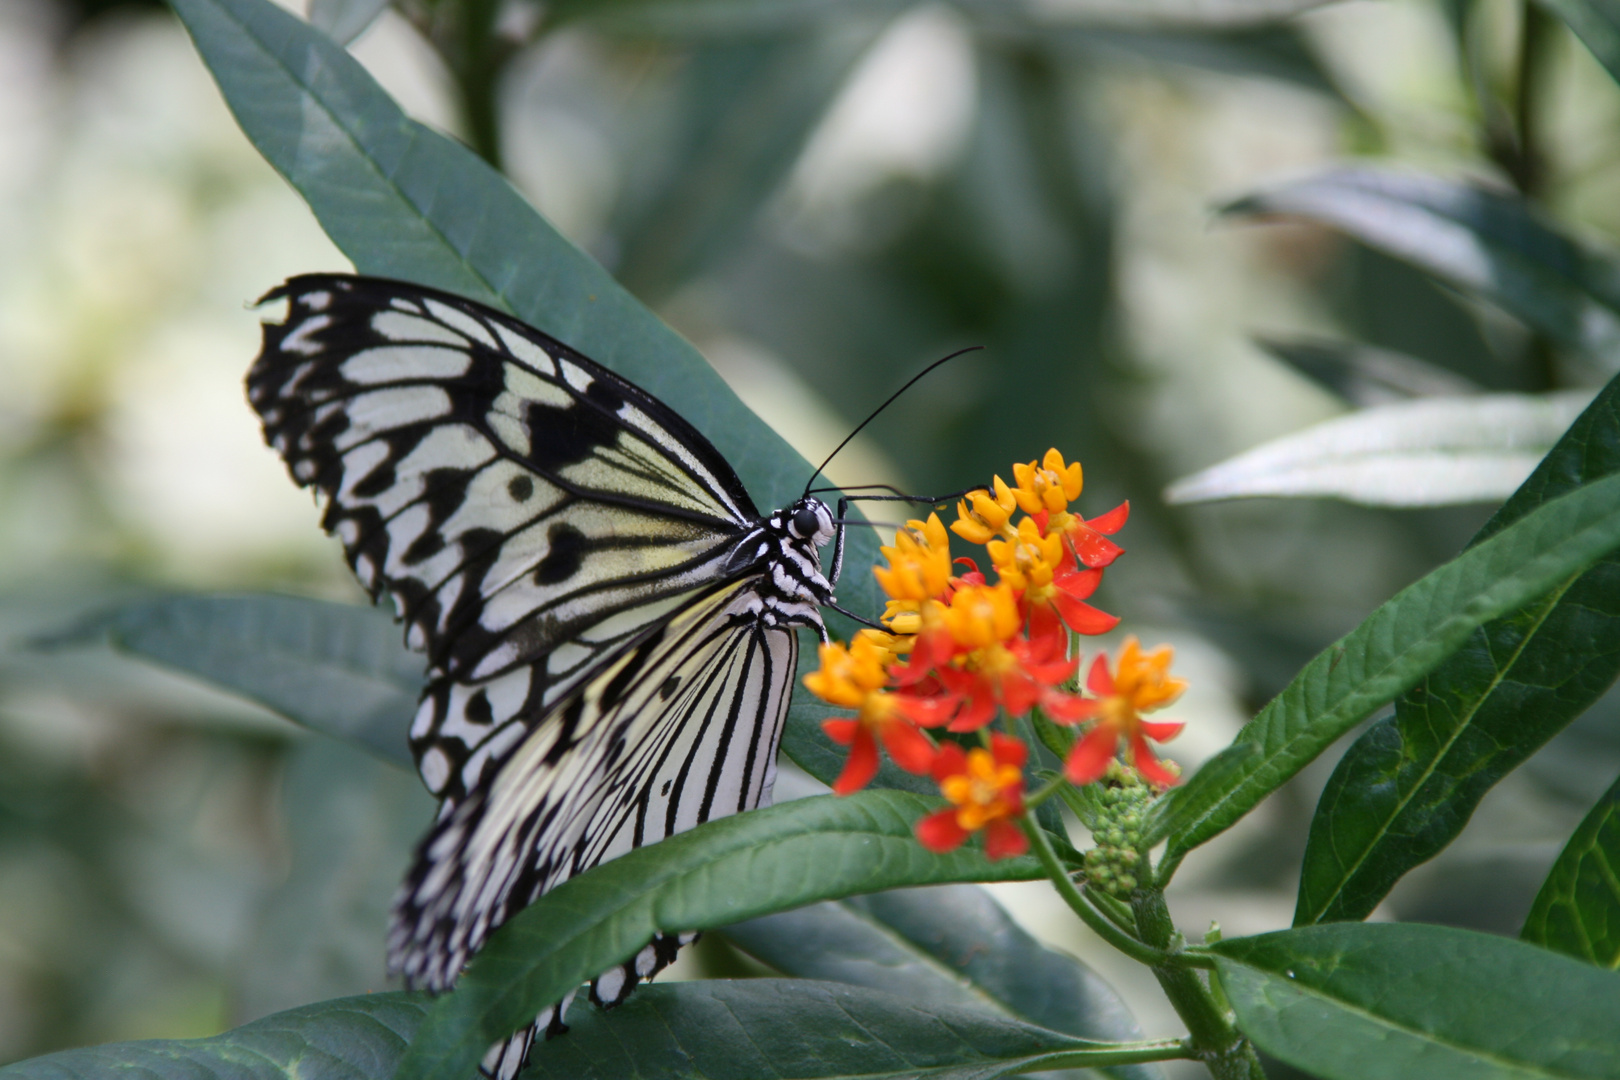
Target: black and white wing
(529, 512)
(607, 620)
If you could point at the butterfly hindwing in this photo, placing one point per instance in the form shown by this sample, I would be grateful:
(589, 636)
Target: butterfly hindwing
(679, 729)
(506, 492)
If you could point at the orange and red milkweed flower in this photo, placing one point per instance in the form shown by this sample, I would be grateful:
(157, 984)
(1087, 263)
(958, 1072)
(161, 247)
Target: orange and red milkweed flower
(986, 791)
(1140, 682)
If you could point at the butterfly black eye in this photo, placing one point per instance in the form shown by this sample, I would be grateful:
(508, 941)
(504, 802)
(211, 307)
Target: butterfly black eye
(805, 522)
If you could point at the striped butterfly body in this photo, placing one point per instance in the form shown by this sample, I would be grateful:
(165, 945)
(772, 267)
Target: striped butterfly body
(609, 623)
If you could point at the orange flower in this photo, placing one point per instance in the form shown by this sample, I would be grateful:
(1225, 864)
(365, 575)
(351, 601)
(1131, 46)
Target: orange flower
(981, 516)
(986, 789)
(855, 678)
(1140, 683)
(919, 562)
(1053, 590)
(1045, 491)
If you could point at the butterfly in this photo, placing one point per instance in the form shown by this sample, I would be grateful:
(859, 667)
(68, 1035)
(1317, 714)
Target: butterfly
(610, 624)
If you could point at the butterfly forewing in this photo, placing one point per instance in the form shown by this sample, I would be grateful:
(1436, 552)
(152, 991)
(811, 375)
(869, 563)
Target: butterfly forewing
(507, 492)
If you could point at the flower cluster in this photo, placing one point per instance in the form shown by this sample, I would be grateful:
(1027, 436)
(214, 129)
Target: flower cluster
(960, 651)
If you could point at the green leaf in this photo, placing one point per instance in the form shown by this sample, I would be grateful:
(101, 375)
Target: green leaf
(1487, 243)
(1380, 1001)
(1596, 23)
(1407, 787)
(1577, 911)
(402, 201)
(358, 1038)
(1405, 639)
(339, 669)
(790, 1029)
(717, 874)
(947, 945)
(344, 20)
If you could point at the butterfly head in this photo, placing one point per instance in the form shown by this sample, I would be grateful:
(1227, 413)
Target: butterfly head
(809, 520)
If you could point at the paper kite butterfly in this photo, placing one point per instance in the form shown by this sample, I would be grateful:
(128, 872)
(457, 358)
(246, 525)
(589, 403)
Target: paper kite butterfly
(609, 623)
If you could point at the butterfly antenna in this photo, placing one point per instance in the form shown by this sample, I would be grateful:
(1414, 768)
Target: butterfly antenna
(909, 383)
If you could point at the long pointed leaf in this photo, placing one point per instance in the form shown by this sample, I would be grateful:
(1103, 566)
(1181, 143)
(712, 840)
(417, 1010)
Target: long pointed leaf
(1397, 645)
(950, 944)
(720, 873)
(1380, 1001)
(1407, 787)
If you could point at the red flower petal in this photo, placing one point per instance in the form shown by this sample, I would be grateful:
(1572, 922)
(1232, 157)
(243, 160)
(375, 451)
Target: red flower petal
(1003, 840)
(1019, 692)
(1099, 681)
(1068, 709)
(1112, 521)
(909, 747)
(1082, 618)
(930, 711)
(861, 766)
(1079, 584)
(1148, 765)
(841, 730)
(1161, 730)
(1008, 750)
(1090, 757)
(950, 760)
(939, 831)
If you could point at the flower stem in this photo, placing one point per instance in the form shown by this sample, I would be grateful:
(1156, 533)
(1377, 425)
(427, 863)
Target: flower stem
(1100, 923)
(1215, 1041)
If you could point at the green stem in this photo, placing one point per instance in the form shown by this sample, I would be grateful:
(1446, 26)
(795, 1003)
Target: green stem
(1100, 923)
(1215, 1041)
(1116, 1054)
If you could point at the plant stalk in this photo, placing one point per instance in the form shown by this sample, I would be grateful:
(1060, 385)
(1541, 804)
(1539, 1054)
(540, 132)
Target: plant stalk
(1215, 1041)
(1101, 924)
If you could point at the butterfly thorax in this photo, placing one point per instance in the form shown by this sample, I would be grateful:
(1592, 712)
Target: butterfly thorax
(784, 547)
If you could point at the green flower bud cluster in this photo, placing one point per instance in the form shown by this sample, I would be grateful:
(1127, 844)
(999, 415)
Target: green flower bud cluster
(1115, 863)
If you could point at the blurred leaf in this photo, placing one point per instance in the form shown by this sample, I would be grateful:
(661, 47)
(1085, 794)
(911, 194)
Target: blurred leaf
(1483, 241)
(340, 669)
(1407, 787)
(950, 945)
(403, 201)
(1577, 911)
(1397, 645)
(1363, 375)
(1271, 52)
(1596, 23)
(350, 825)
(716, 874)
(750, 106)
(359, 1038)
(1379, 1001)
(344, 20)
(790, 1029)
(1433, 452)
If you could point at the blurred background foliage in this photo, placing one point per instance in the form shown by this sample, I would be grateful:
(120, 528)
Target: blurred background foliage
(823, 197)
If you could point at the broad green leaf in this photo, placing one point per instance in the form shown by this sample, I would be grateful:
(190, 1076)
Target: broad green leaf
(1488, 243)
(1405, 639)
(796, 1029)
(1381, 1001)
(1434, 452)
(358, 1038)
(720, 873)
(402, 201)
(340, 669)
(350, 823)
(1596, 23)
(1577, 911)
(1408, 786)
(946, 945)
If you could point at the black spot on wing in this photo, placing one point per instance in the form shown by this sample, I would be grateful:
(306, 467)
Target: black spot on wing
(569, 435)
(520, 488)
(671, 684)
(565, 554)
